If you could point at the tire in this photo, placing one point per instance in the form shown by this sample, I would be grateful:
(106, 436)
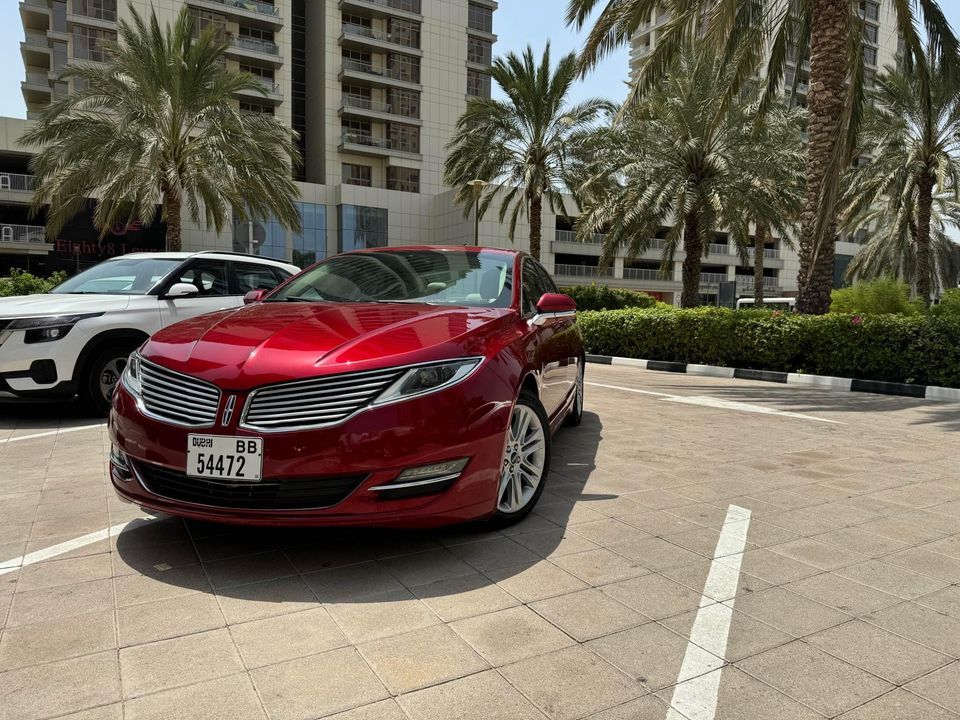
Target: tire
(107, 362)
(517, 492)
(576, 412)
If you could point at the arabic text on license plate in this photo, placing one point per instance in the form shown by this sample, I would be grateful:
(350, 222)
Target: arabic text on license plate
(225, 458)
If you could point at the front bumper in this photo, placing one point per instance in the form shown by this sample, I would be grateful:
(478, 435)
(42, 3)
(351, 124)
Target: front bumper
(40, 369)
(466, 421)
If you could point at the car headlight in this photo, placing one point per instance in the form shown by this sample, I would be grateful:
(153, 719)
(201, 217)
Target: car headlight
(425, 379)
(47, 329)
(131, 374)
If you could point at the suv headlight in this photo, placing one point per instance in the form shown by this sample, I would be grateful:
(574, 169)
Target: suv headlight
(47, 329)
(131, 374)
(425, 379)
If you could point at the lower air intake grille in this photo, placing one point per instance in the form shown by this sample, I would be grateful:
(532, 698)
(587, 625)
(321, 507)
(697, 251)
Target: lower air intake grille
(297, 494)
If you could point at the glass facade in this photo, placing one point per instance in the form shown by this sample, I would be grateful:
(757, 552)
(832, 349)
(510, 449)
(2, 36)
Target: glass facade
(269, 239)
(311, 245)
(361, 227)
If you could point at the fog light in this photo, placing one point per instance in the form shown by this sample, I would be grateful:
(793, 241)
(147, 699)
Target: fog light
(436, 470)
(422, 480)
(119, 465)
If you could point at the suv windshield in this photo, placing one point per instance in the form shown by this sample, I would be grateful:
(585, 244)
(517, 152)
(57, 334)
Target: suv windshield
(436, 277)
(127, 276)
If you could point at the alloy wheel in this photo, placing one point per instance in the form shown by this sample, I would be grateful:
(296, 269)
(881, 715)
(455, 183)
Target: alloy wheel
(110, 375)
(523, 460)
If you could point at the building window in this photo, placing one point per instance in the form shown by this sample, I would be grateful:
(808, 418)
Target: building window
(255, 108)
(59, 55)
(361, 175)
(99, 9)
(361, 227)
(404, 67)
(59, 10)
(870, 55)
(480, 18)
(311, 245)
(356, 131)
(357, 20)
(478, 84)
(403, 179)
(479, 51)
(204, 19)
(265, 238)
(871, 33)
(870, 10)
(88, 43)
(405, 138)
(404, 32)
(403, 102)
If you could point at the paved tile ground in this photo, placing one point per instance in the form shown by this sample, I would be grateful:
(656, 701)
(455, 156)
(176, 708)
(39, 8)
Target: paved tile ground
(847, 602)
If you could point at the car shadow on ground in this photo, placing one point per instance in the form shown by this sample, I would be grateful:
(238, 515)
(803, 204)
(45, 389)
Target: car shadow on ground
(333, 565)
(16, 411)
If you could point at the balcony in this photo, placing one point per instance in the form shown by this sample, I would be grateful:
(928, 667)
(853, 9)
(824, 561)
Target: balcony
(14, 184)
(24, 235)
(247, 48)
(719, 249)
(745, 282)
(644, 274)
(769, 253)
(712, 279)
(35, 14)
(362, 72)
(376, 40)
(407, 9)
(36, 88)
(570, 236)
(274, 93)
(247, 12)
(363, 144)
(359, 106)
(581, 271)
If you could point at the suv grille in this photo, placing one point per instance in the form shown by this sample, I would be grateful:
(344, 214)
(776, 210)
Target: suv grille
(268, 495)
(315, 403)
(179, 398)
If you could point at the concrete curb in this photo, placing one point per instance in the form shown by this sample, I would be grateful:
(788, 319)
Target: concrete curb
(925, 392)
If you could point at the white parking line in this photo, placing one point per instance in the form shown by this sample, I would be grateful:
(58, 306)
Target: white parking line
(718, 403)
(50, 432)
(9, 566)
(696, 698)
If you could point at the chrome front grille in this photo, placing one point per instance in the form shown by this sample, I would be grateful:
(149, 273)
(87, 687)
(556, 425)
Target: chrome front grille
(315, 403)
(181, 399)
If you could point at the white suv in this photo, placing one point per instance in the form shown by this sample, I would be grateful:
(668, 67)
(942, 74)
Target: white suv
(76, 339)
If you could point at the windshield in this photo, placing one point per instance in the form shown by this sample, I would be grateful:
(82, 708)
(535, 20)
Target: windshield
(436, 277)
(128, 276)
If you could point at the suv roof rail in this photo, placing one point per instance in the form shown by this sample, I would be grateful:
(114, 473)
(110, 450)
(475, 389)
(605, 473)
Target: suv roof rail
(239, 254)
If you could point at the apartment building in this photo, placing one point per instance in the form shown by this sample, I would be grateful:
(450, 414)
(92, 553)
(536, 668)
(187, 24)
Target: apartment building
(373, 88)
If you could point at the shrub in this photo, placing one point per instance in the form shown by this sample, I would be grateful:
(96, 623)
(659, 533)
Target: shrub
(883, 296)
(601, 297)
(920, 348)
(23, 283)
(949, 303)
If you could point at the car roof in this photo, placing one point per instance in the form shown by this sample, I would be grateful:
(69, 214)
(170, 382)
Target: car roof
(218, 255)
(442, 248)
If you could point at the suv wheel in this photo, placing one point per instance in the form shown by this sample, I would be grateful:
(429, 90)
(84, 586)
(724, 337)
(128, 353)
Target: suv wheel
(526, 461)
(102, 374)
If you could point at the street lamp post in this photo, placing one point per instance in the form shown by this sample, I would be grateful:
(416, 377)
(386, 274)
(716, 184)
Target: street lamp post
(478, 186)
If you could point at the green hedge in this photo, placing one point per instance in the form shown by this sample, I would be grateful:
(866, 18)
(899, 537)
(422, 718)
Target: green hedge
(922, 349)
(601, 297)
(23, 283)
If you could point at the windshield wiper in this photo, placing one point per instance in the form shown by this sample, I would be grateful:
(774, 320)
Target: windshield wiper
(407, 302)
(297, 299)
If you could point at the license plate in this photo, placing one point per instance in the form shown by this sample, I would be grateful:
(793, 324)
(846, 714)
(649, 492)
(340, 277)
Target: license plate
(225, 458)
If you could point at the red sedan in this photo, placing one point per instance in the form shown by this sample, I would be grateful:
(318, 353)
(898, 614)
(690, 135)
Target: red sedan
(413, 386)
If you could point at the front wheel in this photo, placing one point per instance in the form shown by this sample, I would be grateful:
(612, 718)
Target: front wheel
(101, 376)
(526, 461)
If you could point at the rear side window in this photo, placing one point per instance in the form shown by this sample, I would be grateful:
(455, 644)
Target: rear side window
(251, 276)
(209, 277)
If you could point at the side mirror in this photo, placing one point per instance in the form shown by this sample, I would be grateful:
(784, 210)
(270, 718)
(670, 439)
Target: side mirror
(181, 289)
(254, 296)
(552, 305)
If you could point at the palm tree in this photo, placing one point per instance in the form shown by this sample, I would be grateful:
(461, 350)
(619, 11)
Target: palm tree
(159, 124)
(680, 159)
(521, 146)
(784, 32)
(912, 134)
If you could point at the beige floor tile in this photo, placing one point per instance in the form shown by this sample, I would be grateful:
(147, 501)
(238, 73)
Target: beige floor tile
(229, 698)
(55, 573)
(903, 530)
(654, 595)
(178, 661)
(265, 599)
(655, 553)
(588, 614)
(877, 651)
(920, 624)
(842, 594)
(137, 558)
(535, 582)
(609, 531)
(949, 546)
(946, 601)
(421, 658)
(899, 705)
(571, 683)
(64, 601)
(941, 687)
(427, 567)
(826, 684)
(103, 712)
(818, 554)
(695, 577)
(60, 687)
(173, 617)
(510, 635)
(463, 597)
(485, 696)
(160, 584)
(303, 633)
(660, 522)
(381, 616)
(861, 541)
(925, 562)
(352, 582)
(891, 579)
(651, 654)
(789, 612)
(746, 637)
(555, 542)
(771, 567)
(57, 639)
(317, 685)
(495, 552)
(383, 710)
(600, 567)
(248, 569)
(648, 707)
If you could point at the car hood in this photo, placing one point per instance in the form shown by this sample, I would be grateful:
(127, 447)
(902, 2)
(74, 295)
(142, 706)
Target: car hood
(275, 342)
(51, 304)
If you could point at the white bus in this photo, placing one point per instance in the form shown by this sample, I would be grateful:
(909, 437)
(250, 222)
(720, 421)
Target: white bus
(778, 303)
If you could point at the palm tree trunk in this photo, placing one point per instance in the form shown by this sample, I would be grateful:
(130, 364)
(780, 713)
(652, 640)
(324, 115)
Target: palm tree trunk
(536, 212)
(172, 205)
(924, 204)
(829, 30)
(693, 247)
(759, 245)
